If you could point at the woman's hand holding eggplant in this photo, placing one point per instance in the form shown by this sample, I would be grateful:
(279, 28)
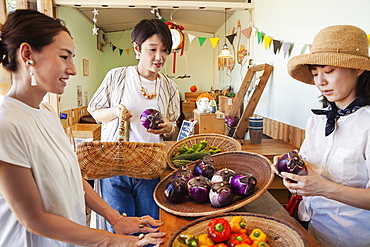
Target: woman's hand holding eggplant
(165, 127)
(311, 184)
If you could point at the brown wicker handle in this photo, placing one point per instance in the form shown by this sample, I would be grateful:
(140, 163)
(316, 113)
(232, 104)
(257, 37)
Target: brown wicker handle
(124, 126)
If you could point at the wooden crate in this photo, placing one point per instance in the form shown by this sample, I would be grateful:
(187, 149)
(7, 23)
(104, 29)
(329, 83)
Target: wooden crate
(86, 131)
(225, 104)
(192, 96)
(208, 123)
(188, 107)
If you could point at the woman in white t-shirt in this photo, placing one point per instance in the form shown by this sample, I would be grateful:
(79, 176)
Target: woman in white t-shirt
(336, 189)
(137, 88)
(42, 193)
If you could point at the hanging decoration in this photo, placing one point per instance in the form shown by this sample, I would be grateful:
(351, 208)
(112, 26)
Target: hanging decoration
(95, 20)
(178, 41)
(242, 52)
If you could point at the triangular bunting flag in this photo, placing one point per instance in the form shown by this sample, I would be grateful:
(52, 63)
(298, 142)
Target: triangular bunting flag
(303, 50)
(201, 40)
(266, 42)
(286, 47)
(114, 48)
(231, 37)
(259, 36)
(120, 52)
(247, 32)
(214, 41)
(191, 37)
(276, 45)
(128, 51)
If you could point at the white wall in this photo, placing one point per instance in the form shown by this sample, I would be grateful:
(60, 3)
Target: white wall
(284, 98)
(85, 47)
(224, 77)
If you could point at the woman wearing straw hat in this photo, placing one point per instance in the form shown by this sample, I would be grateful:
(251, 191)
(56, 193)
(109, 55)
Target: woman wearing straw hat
(336, 189)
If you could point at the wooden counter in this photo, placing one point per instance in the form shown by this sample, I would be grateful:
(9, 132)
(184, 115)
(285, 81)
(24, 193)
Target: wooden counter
(265, 204)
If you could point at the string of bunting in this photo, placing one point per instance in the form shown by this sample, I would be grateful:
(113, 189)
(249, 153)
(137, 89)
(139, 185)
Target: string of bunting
(262, 39)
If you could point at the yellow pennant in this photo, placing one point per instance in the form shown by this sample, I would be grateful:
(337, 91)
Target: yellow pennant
(214, 41)
(368, 39)
(266, 42)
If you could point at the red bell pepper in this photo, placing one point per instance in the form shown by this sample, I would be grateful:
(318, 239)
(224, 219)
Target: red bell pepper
(219, 230)
(239, 238)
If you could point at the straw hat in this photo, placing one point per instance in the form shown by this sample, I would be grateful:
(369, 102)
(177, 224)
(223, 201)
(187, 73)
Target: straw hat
(341, 45)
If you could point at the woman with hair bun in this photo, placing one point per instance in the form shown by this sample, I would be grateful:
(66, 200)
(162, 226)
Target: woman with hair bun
(42, 194)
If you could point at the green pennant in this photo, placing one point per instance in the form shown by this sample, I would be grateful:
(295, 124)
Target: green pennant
(120, 52)
(260, 36)
(201, 40)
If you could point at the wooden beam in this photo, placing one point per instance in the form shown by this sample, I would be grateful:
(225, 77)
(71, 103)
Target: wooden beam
(256, 92)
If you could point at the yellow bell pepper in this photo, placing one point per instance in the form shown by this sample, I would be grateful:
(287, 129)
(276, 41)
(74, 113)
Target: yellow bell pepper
(205, 241)
(185, 240)
(258, 235)
(238, 225)
(260, 244)
(242, 245)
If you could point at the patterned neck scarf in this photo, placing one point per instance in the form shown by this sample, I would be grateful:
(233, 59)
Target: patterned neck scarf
(332, 112)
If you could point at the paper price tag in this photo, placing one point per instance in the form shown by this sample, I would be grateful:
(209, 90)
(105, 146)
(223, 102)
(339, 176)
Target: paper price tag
(230, 101)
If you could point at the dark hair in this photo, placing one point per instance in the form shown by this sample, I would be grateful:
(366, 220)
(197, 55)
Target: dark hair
(29, 26)
(362, 87)
(147, 28)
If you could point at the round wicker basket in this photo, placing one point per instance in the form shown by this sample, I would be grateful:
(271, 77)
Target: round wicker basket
(238, 161)
(223, 142)
(279, 233)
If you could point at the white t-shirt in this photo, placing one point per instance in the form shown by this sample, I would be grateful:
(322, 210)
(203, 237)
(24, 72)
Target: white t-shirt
(34, 138)
(343, 157)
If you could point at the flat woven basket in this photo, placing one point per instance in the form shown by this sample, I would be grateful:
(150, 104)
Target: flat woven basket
(134, 159)
(239, 161)
(279, 233)
(225, 143)
(109, 159)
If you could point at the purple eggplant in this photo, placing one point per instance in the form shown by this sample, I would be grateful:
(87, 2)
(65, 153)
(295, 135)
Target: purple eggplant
(150, 118)
(221, 194)
(176, 190)
(223, 175)
(205, 167)
(291, 162)
(198, 188)
(231, 121)
(243, 184)
(184, 172)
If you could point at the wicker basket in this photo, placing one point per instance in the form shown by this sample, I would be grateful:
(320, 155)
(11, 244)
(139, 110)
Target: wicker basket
(223, 142)
(238, 161)
(108, 159)
(279, 233)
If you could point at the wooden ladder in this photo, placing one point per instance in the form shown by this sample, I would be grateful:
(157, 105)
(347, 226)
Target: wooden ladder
(256, 92)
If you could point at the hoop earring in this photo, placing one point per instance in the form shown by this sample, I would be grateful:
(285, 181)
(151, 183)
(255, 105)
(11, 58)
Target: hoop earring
(30, 62)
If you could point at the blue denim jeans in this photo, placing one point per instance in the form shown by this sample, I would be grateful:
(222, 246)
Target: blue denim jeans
(131, 196)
